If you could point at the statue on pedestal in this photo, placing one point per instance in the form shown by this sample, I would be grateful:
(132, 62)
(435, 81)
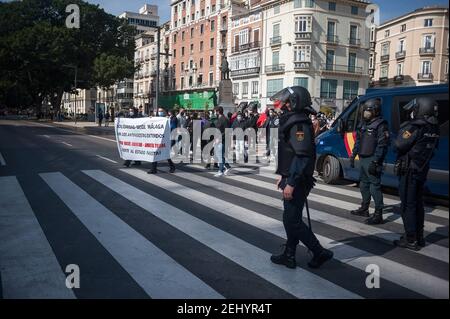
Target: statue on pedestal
(225, 69)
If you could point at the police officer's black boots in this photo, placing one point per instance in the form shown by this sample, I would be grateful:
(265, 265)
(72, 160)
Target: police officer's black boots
(407, 241)
(376, 218)
(287, 258)
(362, 211)
(420, 239)
(319, 259)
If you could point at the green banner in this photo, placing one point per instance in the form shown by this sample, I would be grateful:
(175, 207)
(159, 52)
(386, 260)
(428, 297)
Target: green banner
(190, 101)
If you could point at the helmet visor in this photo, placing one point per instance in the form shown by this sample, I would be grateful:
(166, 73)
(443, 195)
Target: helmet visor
(283, 95)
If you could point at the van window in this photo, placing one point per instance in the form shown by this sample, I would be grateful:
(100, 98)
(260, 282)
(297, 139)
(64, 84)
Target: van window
(352, 119)
(399, 115)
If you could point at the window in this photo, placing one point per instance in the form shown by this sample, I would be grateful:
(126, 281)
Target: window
(236, 88)
(244, 88)
(184, 20)
(328, 89)
(174, 53)
(385, 49)
(202, 29)
(175, 38)
(384, 71)
(302, 53)
(276, 58)
(297, 3)
(243, 36)
(201, 63)
(211, 79)
(426, 67)
(332, 6)
(182, 36)
(301, 82)
(211, 44)
(403, 28)
(352, 62)
(192, 33)
(182, 83)
(400, 69)
(428, 41)
(276, 30)
(211, 60)
(387, 33)
(353, 34)
(401, 45)
(428, 23)
(192, 48)
(371, 64)
(276, 9)
(331, 27)
(274, 86)
(303, 24)
(182, 51)
(330, 60)
(309, 3)
(350, 89)
(203, 12)
(255, 87)
(213, 25)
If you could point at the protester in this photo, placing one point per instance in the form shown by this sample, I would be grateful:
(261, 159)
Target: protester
(222, 123)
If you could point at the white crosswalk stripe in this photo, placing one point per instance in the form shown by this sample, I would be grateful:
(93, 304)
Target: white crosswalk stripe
(401, 274)
(433, 251)
(302, 285)
(149, 266)
(28, 266)
(429, 226)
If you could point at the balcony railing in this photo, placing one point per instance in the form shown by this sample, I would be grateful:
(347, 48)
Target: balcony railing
(427, 51)
(224, 28)
(383, 80)
(400, 54)
(336, 68)
(302, 66)
(332, 39)
(354, 42)
(243, 72)
(303, 35)
(384, 58)
(399, 78)
(277, 68)
(244, 47)
(275, 41)
(425, 76)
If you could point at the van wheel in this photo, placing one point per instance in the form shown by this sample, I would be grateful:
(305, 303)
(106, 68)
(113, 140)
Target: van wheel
(331, 170)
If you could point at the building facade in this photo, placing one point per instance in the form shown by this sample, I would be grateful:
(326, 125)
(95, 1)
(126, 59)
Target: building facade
(198, 39)
(321, 45)
(412, 49)
(81, 103)
(145, 20)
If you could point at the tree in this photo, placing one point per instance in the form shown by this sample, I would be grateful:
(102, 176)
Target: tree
(38, 53)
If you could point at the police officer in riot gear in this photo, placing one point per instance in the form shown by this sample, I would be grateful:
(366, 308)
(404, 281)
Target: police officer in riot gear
(415, 144)
(371, 146)
(296, 161)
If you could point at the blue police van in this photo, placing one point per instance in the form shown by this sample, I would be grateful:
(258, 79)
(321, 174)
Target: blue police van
(334, 147)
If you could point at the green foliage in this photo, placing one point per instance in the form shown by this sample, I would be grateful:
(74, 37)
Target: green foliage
(38, 52)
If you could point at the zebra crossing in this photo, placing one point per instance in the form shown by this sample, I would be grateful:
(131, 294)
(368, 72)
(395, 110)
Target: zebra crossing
(191, 235)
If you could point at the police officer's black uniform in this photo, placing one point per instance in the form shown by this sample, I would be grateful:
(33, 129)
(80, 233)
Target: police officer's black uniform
(415, 145)
(296, 160)
(371, 146)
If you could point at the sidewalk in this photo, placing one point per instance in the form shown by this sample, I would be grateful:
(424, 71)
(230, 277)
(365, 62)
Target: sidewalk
(84, 124)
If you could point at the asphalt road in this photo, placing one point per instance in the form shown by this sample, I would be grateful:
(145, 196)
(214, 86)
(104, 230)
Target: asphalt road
(66, 199)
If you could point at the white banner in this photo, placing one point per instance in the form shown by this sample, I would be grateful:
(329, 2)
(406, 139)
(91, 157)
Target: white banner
(143, 139)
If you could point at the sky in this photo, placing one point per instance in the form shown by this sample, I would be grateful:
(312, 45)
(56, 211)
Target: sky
(388, 8)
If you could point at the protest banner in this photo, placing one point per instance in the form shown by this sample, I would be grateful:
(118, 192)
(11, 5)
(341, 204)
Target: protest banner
(143, 139)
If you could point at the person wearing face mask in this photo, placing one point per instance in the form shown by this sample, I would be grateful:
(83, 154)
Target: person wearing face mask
(372, 141)
(415, 144)
(133, 113)
(239, 122)
(154, 165)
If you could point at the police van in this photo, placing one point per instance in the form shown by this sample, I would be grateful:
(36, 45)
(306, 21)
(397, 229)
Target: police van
(334, 147)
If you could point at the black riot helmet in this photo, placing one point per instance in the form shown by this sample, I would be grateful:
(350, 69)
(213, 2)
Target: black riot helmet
(298, 98)
(425, 108)
(371, 109)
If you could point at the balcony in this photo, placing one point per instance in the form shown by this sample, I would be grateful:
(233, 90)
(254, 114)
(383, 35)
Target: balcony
(245, 72)
(303, 35)
(302, 66)
(399, 78)
(400, 55)
(222, 47)
(166, 47)
(275, 41)
(425, 77)
(273, 69)
(372, 45)
(383, 80)
(245, 47)
(336, 68)
(354, 42)
(427, 51)
(224, 28)
(332, 39)
(384, 58)
(371, 72)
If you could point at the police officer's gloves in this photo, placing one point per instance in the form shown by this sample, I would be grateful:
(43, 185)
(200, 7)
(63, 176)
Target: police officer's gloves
(373, 168)
(352, 162)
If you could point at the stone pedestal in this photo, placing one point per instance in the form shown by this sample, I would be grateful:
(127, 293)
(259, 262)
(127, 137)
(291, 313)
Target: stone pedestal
(226, 96)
